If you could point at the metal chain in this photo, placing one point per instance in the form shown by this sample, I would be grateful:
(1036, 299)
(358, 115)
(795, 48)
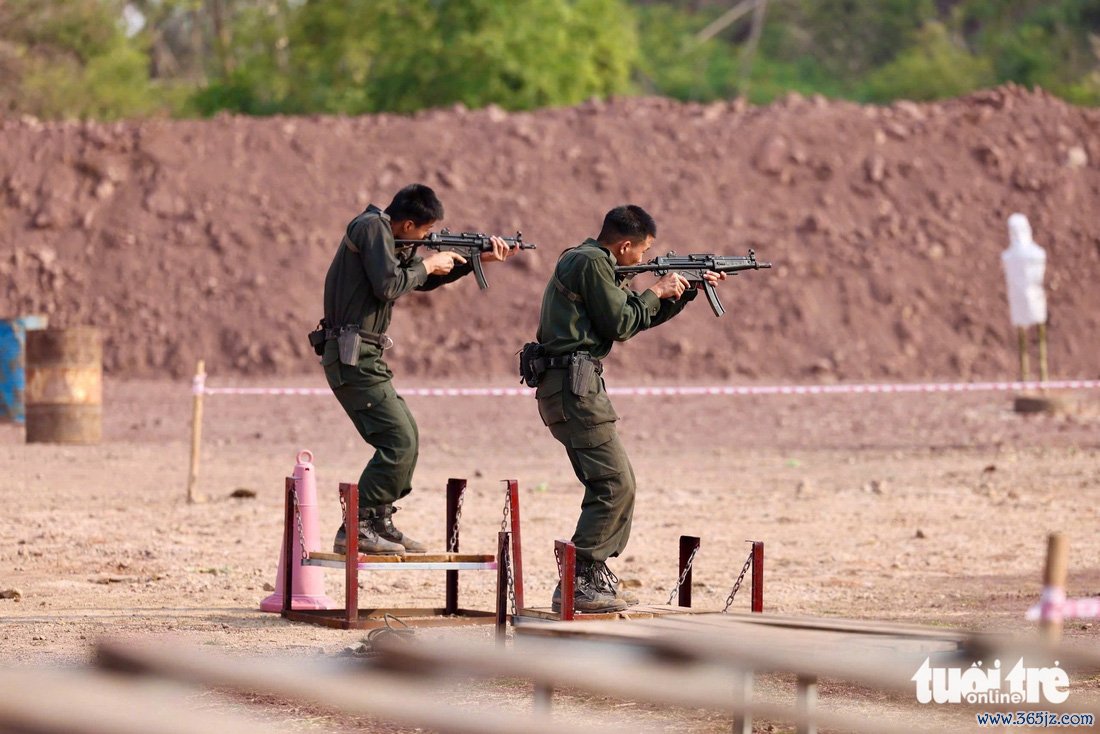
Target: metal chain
(504, 523)
(458, 519)
(683, 576)
(298, 518)
(557, 560)
(737, 583)
(343, 511)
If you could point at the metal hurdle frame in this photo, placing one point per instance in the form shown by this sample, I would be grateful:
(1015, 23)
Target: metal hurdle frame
(451, 614)
(689, 546)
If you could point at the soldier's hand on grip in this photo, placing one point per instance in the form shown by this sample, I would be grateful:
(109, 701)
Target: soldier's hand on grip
(671, 285)
(441, 263)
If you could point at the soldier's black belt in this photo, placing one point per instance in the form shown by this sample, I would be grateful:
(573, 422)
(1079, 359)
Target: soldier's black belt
(370, 337)
(567, 360)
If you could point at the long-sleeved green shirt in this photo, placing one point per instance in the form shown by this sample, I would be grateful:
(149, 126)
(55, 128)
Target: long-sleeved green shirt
(361, 287)
(586, 307)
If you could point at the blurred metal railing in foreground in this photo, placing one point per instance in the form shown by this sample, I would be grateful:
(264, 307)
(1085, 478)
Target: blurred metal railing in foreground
(703, 662)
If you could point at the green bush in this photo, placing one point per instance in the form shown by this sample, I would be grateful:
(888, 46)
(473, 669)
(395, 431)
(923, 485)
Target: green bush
(936, 66)
(73, 59)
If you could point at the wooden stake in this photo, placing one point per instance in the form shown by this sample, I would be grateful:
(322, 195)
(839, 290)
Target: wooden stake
(1043, 353)
(1021, 333)
(196, 433)
(1054, 587)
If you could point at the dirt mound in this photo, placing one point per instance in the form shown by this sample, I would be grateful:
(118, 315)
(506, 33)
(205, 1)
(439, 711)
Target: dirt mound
(210, 239)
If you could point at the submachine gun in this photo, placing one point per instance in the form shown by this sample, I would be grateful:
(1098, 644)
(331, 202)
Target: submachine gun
(692, 267)
(468, 244)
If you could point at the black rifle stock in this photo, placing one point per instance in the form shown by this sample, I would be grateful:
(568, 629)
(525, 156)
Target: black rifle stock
(468, 244)
(692, 267)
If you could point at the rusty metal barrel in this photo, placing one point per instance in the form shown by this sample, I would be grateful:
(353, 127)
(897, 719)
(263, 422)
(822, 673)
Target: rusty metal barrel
(64, 386)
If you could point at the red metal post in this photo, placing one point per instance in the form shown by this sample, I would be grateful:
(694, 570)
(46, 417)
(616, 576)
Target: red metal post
(351, 556)
(689, 544)
(504, 539)
(455, 488)
(288, 546)
(568, 553)
(758, 576)
(517, 554)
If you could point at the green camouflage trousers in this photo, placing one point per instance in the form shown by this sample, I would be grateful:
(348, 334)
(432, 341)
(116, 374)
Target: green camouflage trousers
(384, 421)
(585, 425)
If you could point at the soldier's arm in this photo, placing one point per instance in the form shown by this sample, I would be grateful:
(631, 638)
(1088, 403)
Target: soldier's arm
(616, 313)
(389, 279)
(670, 308)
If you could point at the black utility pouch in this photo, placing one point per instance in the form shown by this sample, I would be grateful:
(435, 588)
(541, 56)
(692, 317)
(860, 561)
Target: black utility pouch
(532, 363)
(349, 342)
(581, 371)
(317, 339)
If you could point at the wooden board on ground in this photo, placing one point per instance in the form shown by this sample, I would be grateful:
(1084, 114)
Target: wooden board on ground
(788, 633)
(641, 611)
(409, 558)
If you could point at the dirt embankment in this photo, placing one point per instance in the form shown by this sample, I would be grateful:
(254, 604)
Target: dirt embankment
(210, 239)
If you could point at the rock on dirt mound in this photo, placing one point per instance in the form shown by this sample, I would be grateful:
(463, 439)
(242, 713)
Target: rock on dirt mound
(210, 239)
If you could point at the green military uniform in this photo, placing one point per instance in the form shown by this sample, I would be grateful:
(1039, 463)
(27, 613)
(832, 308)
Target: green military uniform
(366, 276)
(586, 308)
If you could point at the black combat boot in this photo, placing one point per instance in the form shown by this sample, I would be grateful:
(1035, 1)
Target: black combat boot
(383, 525)
(369, 540)
(592, 593)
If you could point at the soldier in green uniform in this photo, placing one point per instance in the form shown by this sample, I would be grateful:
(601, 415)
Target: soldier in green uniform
(586, 308)
(366, 276)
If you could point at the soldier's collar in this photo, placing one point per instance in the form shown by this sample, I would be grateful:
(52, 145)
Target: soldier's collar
(373, 209)
(596, 243)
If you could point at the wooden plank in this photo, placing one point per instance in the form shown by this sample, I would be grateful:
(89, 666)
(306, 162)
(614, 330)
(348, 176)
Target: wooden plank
(410, 558)
(50, 702)
(742, 647)
(348, 689)
(635, 612)
(841, 624)
(621, 672)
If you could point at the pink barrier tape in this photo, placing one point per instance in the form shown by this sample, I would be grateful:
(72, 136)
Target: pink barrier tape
(1086, 608)
(199, 387)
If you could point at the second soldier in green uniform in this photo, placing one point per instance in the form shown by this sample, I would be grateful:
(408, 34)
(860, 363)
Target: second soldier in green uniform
(586, 308)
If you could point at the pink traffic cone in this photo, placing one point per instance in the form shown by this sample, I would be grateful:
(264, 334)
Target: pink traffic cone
(309, 581)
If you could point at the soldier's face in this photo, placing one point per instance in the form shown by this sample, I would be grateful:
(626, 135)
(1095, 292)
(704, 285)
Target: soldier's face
(632, 252)
(407, 229)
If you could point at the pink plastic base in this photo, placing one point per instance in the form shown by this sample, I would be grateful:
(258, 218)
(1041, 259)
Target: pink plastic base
(274, 603)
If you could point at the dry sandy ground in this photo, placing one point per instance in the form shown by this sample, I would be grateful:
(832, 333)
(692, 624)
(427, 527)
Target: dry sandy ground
(930, 509)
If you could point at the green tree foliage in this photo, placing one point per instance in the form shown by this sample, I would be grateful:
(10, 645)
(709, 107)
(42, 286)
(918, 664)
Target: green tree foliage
(849, 38)
(71, 59)
(674, 63)
(357, 56)
(934, 66)
(114, 58)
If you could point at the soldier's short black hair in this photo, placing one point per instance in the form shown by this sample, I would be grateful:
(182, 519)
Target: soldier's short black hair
(416, 202)
(626, 221)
